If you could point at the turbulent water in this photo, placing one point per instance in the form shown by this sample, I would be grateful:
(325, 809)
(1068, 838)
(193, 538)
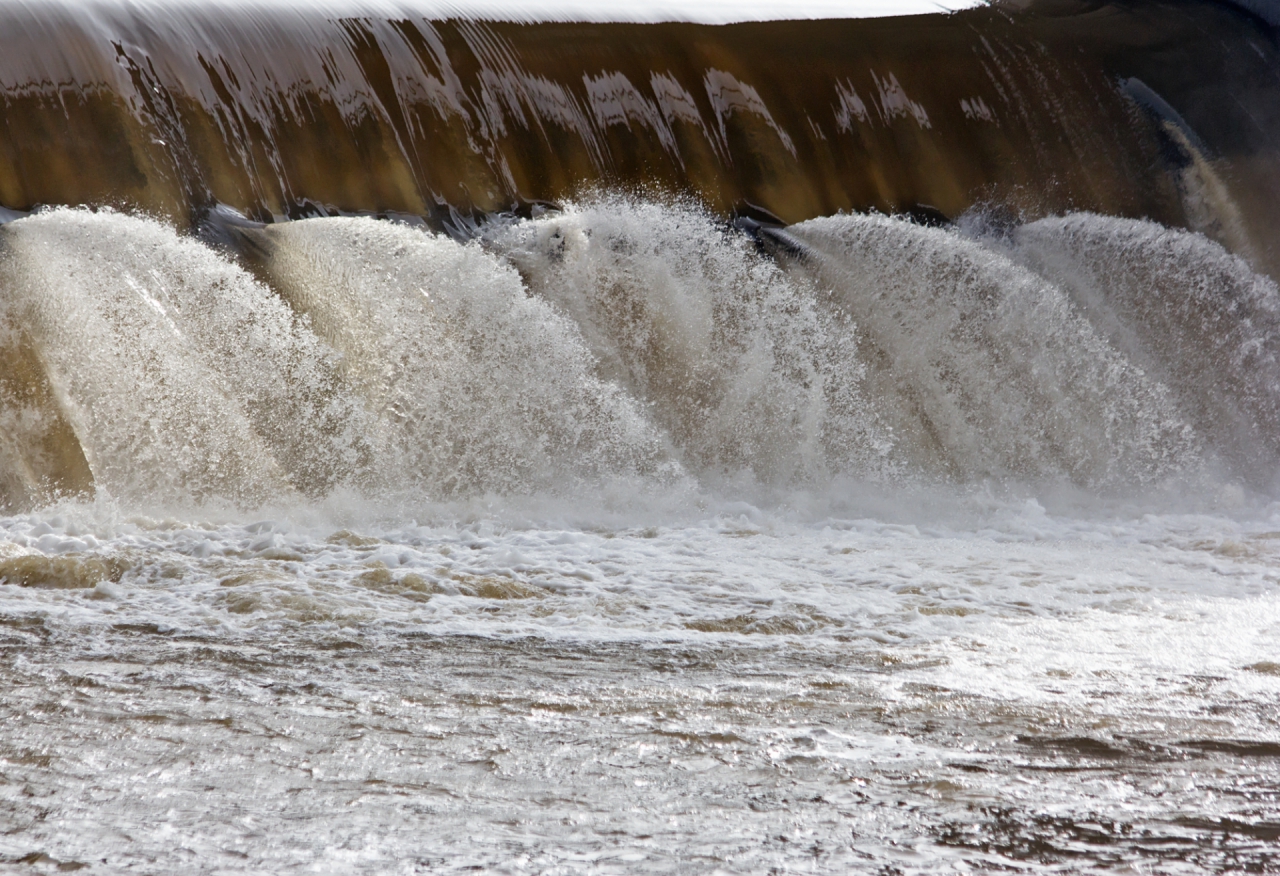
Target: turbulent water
(620, 540)
(631, 343)
(638, 531)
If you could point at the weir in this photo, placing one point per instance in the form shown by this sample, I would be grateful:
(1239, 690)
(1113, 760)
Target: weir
(1025, 242)
(1162, 111)
(438, 443)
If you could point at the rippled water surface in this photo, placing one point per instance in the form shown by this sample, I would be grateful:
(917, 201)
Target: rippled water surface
(740, 692)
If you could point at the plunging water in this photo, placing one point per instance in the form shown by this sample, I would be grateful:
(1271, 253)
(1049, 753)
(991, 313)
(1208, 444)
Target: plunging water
(755, 515)
(366, 511)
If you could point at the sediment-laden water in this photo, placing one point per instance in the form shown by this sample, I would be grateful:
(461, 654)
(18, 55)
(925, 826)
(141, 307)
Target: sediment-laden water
(600, 521)
(607, 542)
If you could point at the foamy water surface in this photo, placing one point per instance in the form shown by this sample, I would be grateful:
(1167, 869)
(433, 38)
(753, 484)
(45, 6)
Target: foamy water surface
(617, 540)
(740, 689)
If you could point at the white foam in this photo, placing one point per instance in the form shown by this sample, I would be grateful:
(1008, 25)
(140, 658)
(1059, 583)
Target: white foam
(885, 671)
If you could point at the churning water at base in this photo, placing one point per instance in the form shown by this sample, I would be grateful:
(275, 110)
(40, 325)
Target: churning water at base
(616, 540)
(627, 341)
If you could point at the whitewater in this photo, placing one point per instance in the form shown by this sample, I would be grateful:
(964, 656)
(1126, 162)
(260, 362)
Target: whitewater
(525, 439)
(608, 541)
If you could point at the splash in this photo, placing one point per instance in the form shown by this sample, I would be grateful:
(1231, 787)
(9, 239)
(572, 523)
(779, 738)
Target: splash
(984, 369)
(178, 373)
(739, 362)
(625, 341)
(1187, 312)
(471, 383)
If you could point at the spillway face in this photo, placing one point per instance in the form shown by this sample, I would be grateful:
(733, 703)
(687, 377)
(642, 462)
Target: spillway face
(40, 457)
(283, 109)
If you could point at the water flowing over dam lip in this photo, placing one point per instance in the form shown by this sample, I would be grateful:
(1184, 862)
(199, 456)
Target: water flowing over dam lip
(703, 12)
(290, 111)
(530, 438)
